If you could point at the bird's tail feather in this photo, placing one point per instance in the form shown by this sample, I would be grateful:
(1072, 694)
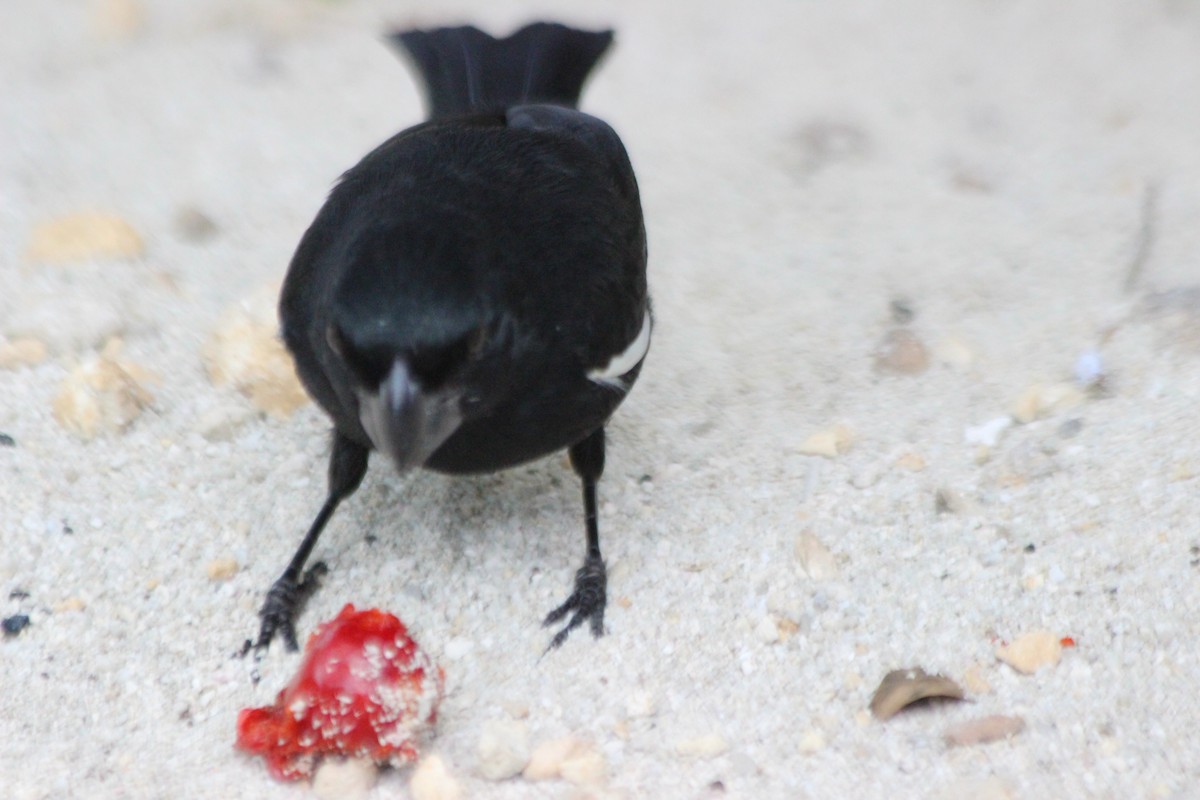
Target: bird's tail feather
(465, 70)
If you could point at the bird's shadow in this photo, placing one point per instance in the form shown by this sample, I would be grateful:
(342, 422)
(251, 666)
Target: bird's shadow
(533, 509)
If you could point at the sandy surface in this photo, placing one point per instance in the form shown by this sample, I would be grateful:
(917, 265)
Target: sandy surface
(803, 166)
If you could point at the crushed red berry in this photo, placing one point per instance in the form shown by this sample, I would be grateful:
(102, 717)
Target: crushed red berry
(363, 690)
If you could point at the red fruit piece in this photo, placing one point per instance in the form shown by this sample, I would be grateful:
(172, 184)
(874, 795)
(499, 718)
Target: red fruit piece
(364, 689)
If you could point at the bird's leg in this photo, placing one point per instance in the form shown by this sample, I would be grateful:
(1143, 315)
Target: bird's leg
(590, 597)
(347, 466)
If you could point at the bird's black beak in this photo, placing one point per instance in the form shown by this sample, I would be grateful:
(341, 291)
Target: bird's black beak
(406, 421)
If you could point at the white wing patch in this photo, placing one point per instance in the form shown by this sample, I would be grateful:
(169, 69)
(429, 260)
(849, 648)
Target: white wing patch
(610, 374)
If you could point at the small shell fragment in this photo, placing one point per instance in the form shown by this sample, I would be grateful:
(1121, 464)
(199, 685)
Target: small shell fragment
(24, 351)
(84, 236)
(815, 557)
(344, 778)
(503, 749)
(431, 780)
(983, 730)
(903, 687)
(901, 352)
(1029, 653)
(1042, 400)
(569, 758)
(221, 569)
(707, 746)
(828, 443)
(246, 352)
(103, 395)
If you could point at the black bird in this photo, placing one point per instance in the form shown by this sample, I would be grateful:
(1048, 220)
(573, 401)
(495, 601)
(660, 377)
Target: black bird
(473, 295)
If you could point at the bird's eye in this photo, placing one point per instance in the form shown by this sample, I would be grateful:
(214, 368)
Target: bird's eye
(436, 365)
(369, 364)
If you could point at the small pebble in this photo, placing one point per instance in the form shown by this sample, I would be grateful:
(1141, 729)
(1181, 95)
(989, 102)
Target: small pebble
(951, 501)
(245, 351)
(432, 781)
(708, 746)
(901, 310)
(641, 704)
(902, 687)
(815, 558)
(547, 759)
(1089, 369)
(221, 569)
(975, 681)
(983, 730)
(1045, 400)
(822, 443)
(85, 236)
(103, 395)
(1070, 428)
(119, 19)
(24, 351)
(901, 352)
(955, 353)
(503, 749)
(15, 624)
(585, 766)
(7, 441)
(458, 647)
(70, 604)
(194, 225)
(766, 631)
(812, 741)
(988, 433)
(828, 443)
(1031, 652)
(344, 778)
(911, 461)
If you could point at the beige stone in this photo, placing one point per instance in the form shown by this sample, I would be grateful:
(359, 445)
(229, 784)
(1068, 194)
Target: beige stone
(105, 394)
(431, 780)
(245, 351)
(1032, 651)
(83, 236)
(344, 778)
(23, 351)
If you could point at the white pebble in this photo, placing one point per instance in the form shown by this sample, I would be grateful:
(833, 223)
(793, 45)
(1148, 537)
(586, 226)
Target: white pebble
(1031, 652)
(547, 758)
(1089, 368)
(767, 631)
(707, 746)
(432, 781)
(812, 741)
(344, 779)
(987, 433)
(816, 559)
(503, 749)
(458, 647)
(640, 704)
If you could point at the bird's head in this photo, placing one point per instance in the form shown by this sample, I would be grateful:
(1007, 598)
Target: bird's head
(411, 398)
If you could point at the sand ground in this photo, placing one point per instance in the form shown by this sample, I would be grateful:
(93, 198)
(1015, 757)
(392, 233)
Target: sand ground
(1015, 185)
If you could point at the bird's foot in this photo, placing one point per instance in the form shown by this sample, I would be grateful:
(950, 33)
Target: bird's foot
(285, 599)
(587, 602)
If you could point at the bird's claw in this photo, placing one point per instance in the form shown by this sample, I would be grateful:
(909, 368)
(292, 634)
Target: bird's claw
(587, 602)
(284, 601)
